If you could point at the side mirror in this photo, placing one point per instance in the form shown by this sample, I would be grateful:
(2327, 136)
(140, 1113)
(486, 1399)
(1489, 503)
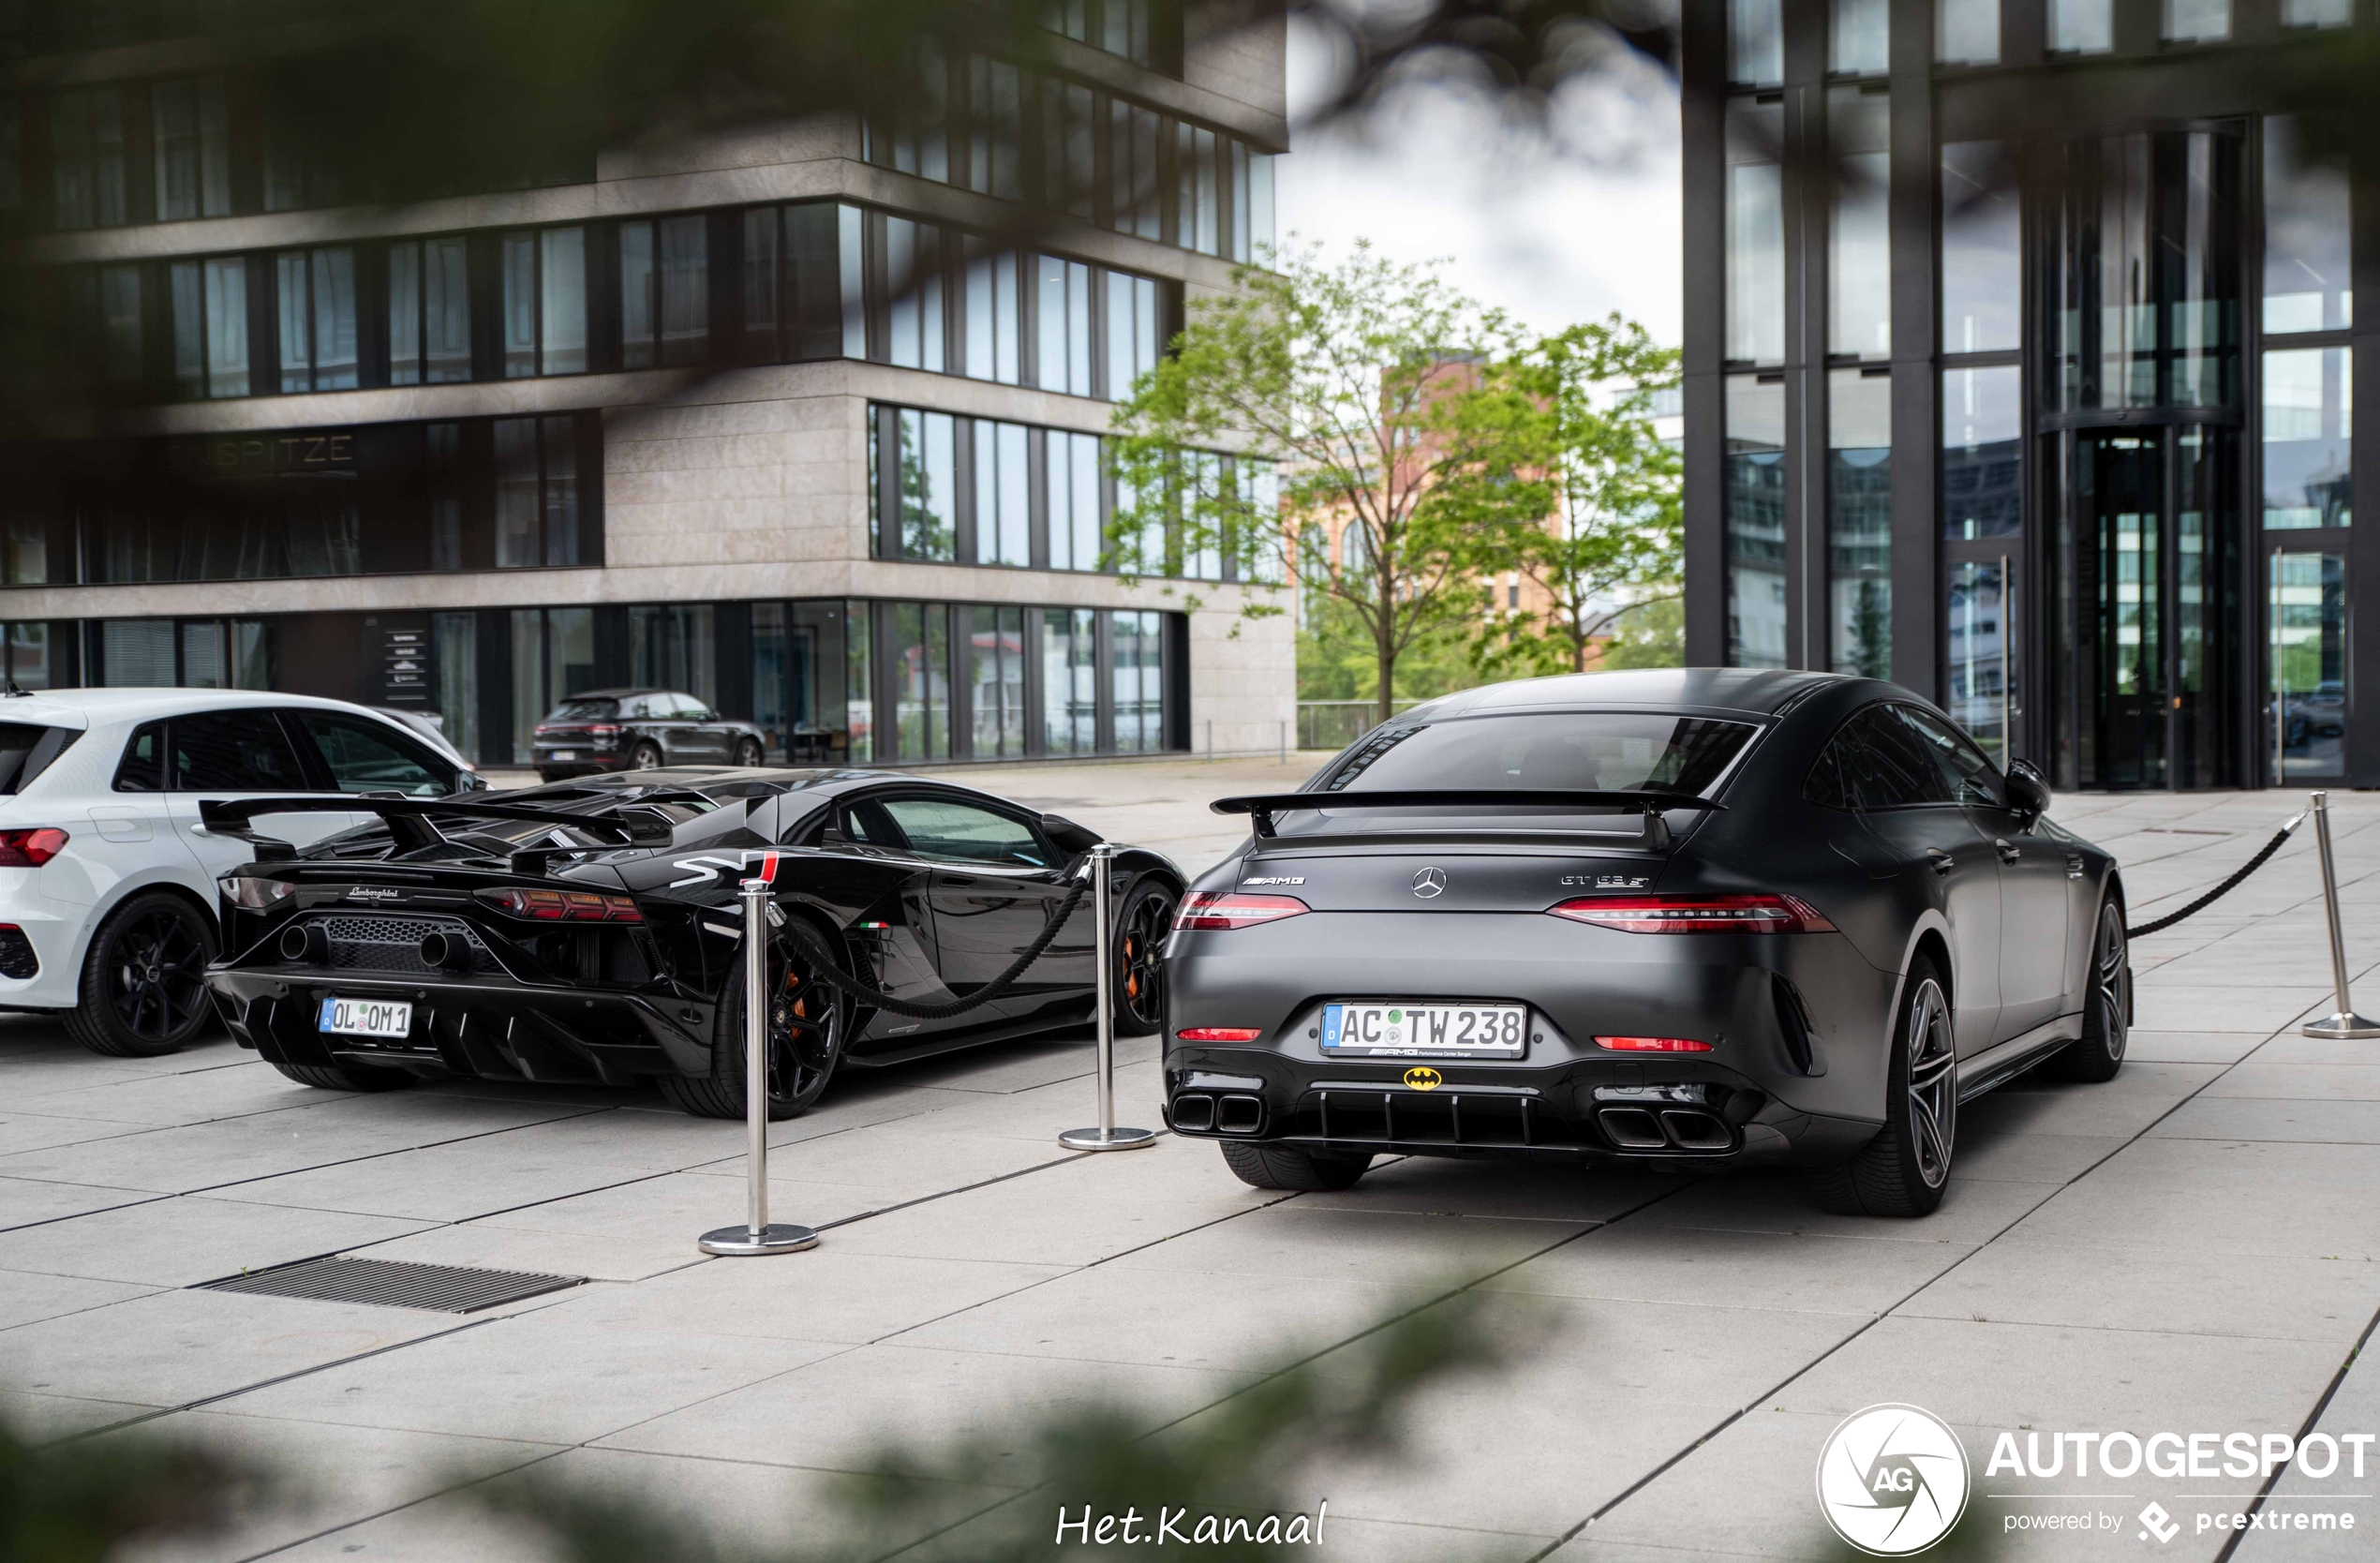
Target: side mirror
(1068, 837)
(2028, 789)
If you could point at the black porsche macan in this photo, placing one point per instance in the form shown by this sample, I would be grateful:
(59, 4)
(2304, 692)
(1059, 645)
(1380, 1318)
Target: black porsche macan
(1689, 918)
(590, 932)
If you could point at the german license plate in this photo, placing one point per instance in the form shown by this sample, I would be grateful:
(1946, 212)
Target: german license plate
(1387, 1029)
(564, 754)
(367, 1017)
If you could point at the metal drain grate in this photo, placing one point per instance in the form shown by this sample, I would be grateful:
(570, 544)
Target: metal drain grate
(388, 1284)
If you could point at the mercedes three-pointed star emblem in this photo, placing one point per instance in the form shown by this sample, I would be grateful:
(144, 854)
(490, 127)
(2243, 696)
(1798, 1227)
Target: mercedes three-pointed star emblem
(1429, 881)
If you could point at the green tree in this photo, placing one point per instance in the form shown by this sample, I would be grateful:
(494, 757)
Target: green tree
(1385, 401)
(1616, 541)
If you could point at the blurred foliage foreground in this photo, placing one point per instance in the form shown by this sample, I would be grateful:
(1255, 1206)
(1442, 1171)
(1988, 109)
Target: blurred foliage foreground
(1253, 1454)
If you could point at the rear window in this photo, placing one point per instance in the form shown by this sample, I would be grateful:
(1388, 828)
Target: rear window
(26, 748)
(1611, 752)
(585, 711)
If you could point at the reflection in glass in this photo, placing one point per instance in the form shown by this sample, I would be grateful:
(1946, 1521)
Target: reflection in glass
(2082, 26)
(1755, 508)
(1861, 41)
(1859, 269)
(1979, 675)
(996, 680)
(2197, 21)
(2308, 611)
(1982, 458)
(859, 688)
(455, 639)
(1755, 43)
(919, 650)
(1138, 680)
(1983, 274)
(1755, 233)
(2308, 285)
(2318, 13)
(2309, 414)
(1069, 681)
(1859, 522)
(1967, 32)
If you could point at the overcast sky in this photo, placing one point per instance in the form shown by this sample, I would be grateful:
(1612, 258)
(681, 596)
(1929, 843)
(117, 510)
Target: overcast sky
(1549, 233)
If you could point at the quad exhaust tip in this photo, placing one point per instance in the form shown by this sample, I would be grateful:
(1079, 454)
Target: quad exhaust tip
(1633, 1128)
(439, 951)
(1234, 1113)
(305, 942)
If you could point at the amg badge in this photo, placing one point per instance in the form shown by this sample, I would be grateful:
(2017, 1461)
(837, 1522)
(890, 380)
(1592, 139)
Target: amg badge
(1276, 879)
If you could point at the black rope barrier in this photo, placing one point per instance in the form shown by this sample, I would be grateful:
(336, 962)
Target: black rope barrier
(835, 976)
(2251, 865)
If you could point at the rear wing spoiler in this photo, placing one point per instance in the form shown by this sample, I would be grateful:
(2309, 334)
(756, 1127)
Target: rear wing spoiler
(1261, 807)
(411, 821)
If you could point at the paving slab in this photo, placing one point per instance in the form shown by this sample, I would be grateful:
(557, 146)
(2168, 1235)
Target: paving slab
(2335, 1121)
(24, 1202)
(2211, 1198)
(28, 1298)
(181, 1241)
(1643, 1261)
(2132, 1288)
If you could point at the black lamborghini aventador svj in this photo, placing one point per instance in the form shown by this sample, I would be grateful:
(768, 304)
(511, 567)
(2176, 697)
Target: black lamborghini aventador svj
(591, 932)
(1688, 918)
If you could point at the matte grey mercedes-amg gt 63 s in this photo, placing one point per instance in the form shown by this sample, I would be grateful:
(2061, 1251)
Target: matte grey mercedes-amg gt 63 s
(1688, 918)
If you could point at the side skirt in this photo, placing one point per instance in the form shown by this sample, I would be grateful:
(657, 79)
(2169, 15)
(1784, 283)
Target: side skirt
(1997, 1066)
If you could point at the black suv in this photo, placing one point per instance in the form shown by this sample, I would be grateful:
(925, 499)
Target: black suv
(638, 729)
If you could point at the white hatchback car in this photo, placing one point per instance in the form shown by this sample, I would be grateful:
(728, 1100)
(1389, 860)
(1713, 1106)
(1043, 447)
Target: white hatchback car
(108, 894)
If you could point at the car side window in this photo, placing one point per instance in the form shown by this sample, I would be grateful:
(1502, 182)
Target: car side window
(362, 759)
(143, 768)
(1875, 761)
(963, 833)
(234, 752)
(1970, 778)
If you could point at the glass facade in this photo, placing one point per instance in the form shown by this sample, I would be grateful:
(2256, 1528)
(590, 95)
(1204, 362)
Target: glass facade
(1982, 453)
(1755, 518)
(1859, 522)
(2309, 416)
(1982, 249)
(2307, 609)
(2308, 284)
(1978, 674)
(1755, 43)
(2195, 21)
(1967, 32)
(2081, 26)
(1859, 251)
(1859, 42)
(1755, 233)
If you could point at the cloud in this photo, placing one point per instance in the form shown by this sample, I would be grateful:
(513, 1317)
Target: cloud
(1552, 221)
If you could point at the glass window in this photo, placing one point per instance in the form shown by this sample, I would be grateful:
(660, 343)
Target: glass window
(1983, 491)
(11, 155)
(242, 751)
(191, 130)
(1755, 233)
(2318, 13)
(1052, 318)
(143, 768)
(1982, 271)
(1979, 647)
(429, 312)
(1755, 512)
(2309, 413)
(454, 638)
(2308, 284)
(919, 650)
(544, 302)
(1860, 42)
(2082, 26)
(210, 303)
(1883, 763)
(87, 159)
(664, 291)
(2197, 21)
(537, 509)
(1859, 253)
(1073, 500)
(1859, 522)
(1755, 43)
(1069, 681)
(569, 653)
(1967, 32)
(996, 680)
(1591, 752)
(995, 101)
(964, 833)
(1003, 495)
(315, 308)
(1205, 238)
(1968, 776)
(860, 696)
(928, 473)
(2308, 612)
(1138, 682)
(1261, 208)
(24, 552)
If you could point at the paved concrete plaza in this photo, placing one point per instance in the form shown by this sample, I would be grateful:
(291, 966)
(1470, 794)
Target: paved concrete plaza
(2189, 1248)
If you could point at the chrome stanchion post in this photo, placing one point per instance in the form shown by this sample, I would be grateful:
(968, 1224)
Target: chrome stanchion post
(2344, 1021)
(1107, 1136)
(756, 1236)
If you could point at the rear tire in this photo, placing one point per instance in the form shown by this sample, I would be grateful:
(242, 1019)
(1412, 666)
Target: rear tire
(143, 989)
(748, 753)
(2106, 1007)
(645, 756)
(1905, 1169)
(1287, 1166)
(1139, 990)
(808, 1031)
(346, 1077)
